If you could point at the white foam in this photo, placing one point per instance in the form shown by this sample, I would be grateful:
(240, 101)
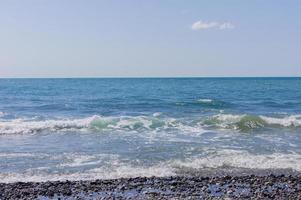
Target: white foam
(78, 160)
(20, 154)
(157, 114)
(230, 119)
(292, 120)
(224, 120)
(122, 123)
(116, 170)
(243, 159)
(111, 166)
(21, 126)
(205, 100)
(155, 123)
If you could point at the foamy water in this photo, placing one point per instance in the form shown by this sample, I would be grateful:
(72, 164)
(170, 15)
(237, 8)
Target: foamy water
(58, 129)
(114, 167)
(149, 123)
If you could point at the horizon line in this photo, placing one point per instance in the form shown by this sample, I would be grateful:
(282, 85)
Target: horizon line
(150, 77)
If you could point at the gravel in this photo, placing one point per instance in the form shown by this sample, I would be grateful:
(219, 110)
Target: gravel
(178, 187)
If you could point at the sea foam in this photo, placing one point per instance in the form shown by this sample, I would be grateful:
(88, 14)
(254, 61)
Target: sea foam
(111, 166)
(98, 124)
(246, 123)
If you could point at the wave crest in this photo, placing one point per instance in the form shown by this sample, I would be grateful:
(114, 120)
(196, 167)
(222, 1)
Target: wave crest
(98, 123)
(246, 123)
(154, 123)
(23, 126)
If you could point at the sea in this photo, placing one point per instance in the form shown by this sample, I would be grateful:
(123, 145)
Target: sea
(107, 128)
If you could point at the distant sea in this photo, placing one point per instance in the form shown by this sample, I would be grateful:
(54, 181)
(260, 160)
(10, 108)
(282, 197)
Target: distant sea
(58, 129)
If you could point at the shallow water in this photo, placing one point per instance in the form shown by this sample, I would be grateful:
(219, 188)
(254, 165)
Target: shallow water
(56, 129)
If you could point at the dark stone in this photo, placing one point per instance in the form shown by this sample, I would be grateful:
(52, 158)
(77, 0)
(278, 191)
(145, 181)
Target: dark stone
(179, 187)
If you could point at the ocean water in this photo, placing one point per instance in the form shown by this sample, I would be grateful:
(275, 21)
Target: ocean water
(57, 129)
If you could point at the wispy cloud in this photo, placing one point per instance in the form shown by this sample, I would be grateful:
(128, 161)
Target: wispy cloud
(201, 25)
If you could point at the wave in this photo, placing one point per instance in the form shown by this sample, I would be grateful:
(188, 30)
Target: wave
(2, 114)
(98, 124)
(213, 159)
(155, 123)
(23, 126)
(126, 171)
(205, 103)
(246, 123)
(212, 103)
(112, 166)
(205, 100)
(289, 121)
(243, 159)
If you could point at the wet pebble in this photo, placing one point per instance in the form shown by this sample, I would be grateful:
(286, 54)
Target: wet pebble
(179, 187)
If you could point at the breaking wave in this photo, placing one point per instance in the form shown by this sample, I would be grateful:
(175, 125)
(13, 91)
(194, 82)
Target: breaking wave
(23, 126)
(98, 124)
(243, 159)
(114, 167)
(246, 123)
(157, 123)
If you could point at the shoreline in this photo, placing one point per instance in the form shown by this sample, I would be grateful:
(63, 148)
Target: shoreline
(176, 187)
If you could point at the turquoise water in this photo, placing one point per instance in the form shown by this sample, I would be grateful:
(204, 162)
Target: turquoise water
(57, 129)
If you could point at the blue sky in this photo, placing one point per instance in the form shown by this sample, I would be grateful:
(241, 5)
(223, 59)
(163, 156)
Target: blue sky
(99, 38)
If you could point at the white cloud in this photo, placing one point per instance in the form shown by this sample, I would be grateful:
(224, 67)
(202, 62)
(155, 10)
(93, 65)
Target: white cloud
(226, 25)
(200, 25)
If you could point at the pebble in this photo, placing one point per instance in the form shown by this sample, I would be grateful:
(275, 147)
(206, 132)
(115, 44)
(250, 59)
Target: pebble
(178, 187)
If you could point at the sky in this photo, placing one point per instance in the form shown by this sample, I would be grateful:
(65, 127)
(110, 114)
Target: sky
(153, 38)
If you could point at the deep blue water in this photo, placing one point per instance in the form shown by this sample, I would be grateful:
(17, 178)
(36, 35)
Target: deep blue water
(108, 128)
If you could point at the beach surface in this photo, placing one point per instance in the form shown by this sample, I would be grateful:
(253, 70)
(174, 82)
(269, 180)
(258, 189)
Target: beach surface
(178, 187)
